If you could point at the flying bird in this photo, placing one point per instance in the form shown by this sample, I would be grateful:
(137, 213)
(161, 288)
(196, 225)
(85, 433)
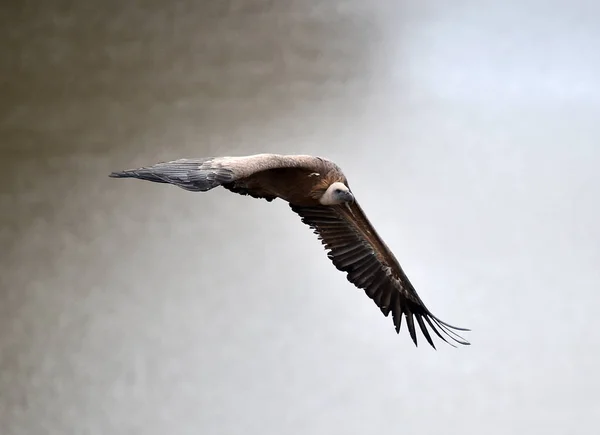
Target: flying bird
(318, 191)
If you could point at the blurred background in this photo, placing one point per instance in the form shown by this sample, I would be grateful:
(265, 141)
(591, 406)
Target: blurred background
(469, 132)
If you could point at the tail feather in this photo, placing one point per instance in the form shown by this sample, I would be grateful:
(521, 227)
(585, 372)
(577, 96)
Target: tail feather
(196, 175)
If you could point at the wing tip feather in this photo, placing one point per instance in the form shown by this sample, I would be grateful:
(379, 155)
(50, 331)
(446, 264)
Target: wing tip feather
(444, 331)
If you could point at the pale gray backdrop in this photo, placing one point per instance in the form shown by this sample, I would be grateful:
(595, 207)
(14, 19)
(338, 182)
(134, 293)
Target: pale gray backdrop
(469, 131)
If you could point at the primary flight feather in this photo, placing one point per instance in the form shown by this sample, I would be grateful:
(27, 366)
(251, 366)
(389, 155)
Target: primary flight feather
(317, 190)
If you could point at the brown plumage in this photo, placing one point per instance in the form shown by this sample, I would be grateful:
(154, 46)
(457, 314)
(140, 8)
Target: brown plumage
(318, 192)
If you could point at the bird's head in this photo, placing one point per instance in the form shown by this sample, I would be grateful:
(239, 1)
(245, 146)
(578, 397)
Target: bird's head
(336, 193)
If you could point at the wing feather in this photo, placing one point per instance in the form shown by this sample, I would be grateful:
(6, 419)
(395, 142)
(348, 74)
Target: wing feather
(354, 247)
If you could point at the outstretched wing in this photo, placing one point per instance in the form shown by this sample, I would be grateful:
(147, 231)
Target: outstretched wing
(355, 247)
(196, 175)
(234, 173)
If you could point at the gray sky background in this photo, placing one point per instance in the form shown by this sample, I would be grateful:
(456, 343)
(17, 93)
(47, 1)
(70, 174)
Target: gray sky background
(469, 132)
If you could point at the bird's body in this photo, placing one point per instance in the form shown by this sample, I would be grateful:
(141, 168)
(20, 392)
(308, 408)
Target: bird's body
(318, 191)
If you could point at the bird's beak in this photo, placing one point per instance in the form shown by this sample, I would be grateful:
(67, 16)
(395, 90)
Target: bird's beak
(349, 196)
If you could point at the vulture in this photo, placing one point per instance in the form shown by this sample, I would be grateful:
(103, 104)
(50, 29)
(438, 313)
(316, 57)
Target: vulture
(318, 191)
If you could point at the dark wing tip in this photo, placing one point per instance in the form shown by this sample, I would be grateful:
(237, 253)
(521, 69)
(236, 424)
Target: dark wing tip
(411, 306)
(424, 318)
(446, 329)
